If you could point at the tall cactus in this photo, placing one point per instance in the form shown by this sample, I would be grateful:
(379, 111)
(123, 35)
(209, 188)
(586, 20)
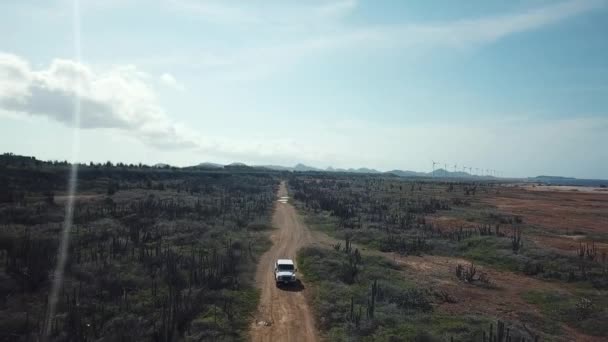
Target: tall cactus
(500, 331)
(516, 242)
(347, 245)
(371, 306)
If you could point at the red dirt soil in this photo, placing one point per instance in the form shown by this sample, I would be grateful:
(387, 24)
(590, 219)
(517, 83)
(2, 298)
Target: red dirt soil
(504, 301)
(556, 211)
(566, 216)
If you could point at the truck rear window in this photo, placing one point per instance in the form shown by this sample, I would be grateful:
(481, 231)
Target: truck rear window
(285, 267)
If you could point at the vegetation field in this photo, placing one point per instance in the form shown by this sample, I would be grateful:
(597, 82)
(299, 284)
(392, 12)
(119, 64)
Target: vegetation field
(155, 254)
(449, 258)
(170, 254)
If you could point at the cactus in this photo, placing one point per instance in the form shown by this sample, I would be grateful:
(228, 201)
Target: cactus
(516, 242)
(460, 272)
(500, 331)
(371, 301)
(352, 308)
(347, 245)
(470, 273)
(591, 252)
(357, 256)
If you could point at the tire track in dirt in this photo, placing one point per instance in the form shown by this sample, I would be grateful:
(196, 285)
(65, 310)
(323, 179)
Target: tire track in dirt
(283, 313)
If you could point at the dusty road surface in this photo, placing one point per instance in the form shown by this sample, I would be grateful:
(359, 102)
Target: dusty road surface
(283, 313)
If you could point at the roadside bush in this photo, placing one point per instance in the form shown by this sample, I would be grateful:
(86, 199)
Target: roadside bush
(586, 309)
(392, 309)
(533, 268)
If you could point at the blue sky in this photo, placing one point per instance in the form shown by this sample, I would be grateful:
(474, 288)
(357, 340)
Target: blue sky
(518, 86)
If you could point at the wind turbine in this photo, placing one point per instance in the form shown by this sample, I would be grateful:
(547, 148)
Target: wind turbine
(445, 169)
(434, 163)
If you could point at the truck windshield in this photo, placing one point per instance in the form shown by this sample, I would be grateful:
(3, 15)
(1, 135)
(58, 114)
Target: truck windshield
(285, 267)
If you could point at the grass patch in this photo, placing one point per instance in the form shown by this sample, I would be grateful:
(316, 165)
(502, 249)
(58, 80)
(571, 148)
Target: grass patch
(491, 251)
(586, 309)
(321, 221)
(401, 311)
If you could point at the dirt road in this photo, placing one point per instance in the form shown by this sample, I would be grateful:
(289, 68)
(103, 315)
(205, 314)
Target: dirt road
(283, 313)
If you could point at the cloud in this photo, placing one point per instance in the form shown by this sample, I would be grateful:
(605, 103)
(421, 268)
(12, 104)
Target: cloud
(170, 81)
(456, 33)
(302, 32)
(119, 98)
(287, 34)
(489, 29)
(336, 8)
(216, 12)
(295, 15)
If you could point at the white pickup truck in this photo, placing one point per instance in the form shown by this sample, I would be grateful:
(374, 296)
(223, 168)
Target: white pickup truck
(284, 272)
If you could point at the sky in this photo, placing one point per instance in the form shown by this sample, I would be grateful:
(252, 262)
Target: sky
(515, 86)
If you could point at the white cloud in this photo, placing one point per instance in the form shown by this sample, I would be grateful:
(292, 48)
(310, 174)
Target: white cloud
(489, 29)
(214, 11)
(170, 81)
(285, 34)
(456, 33)
(294, 15)
(122, 98)
(119, 98)
(307, 31)
(336, 8)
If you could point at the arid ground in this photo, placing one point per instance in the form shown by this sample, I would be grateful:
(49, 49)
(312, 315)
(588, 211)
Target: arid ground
(551, 300)
(283, 313)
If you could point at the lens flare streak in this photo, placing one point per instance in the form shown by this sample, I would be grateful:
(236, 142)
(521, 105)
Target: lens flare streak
(62, 253)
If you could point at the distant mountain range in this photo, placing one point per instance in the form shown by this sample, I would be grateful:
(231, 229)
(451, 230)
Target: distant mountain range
(298, 168)
(209, 166)
(439, 173)
(362, 170)
(10, 159)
